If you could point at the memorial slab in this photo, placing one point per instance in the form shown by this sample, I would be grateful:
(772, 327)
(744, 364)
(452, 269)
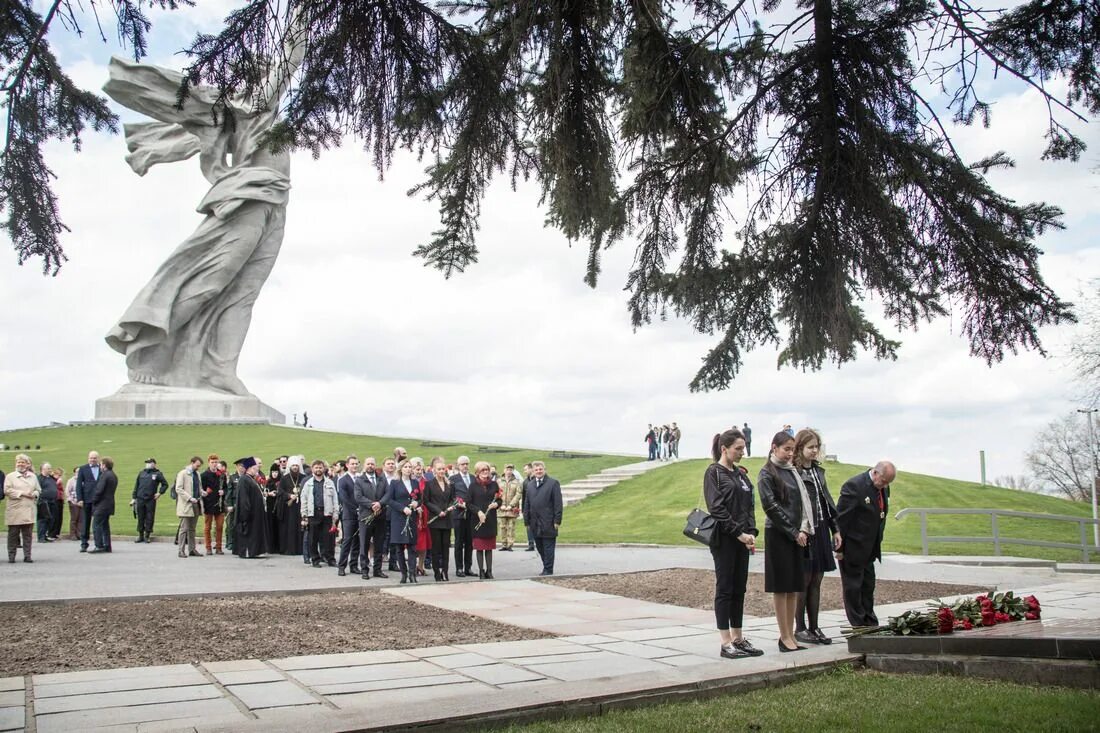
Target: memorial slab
(271, 695)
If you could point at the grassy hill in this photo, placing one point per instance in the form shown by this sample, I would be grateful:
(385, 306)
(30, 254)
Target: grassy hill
(173, 445)
(652, 508)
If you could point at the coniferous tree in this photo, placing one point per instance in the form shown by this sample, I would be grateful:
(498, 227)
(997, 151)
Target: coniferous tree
(642, 120)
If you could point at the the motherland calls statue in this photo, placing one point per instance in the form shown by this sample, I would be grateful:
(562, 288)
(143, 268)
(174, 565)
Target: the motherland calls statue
(185, 329)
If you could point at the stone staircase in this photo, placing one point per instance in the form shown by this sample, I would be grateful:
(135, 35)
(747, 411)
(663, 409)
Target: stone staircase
(581, 489)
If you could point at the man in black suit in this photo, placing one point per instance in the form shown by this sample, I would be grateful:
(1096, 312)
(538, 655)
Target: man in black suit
(543, 514)
(370, 501)
(463, 537)
(861, 518)
(86, 479)
(349, 518)
(103, 502)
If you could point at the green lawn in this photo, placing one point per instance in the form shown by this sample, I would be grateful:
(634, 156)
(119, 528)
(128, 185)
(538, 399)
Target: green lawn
(652, 508)
(847, 700)
(173, 445)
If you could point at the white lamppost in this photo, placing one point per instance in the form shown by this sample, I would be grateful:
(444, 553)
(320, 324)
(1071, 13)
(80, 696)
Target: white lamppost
(1092, 460)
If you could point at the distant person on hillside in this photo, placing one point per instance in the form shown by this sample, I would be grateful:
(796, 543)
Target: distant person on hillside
(728, 495)
(85, 490)
(104, 503)
(861, 518)
(788, 531)
(663, 438)
(305, 419)
(544, 513)
(825, 539)
(651, 442)
(674, 443)
(149, 486)
(188, 491)
(747, 432)
(21, 489)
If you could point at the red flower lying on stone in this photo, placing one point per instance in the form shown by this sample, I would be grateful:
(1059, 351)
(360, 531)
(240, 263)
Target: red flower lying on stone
(946, 619)
(1033, 609)
(1002, 618)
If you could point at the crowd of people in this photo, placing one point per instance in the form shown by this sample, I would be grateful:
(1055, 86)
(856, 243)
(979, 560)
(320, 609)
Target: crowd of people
(806, 535)
(663, 442)
(348, 514)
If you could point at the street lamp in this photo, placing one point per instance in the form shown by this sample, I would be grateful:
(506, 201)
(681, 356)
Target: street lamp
(1092, 458)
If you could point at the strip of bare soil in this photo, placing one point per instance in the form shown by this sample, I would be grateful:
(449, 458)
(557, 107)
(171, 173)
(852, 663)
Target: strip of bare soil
(694, 588)
(105, 634)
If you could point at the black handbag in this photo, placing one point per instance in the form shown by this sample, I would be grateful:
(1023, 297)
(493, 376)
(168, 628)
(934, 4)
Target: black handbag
(701, 527)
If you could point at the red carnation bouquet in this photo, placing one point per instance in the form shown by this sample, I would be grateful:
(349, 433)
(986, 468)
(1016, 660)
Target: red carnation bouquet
(964, 614)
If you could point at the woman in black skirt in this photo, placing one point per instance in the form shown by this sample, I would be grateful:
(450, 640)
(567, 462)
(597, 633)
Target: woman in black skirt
(788, 532)
(728, 494)
(438, 499)
(825, 540)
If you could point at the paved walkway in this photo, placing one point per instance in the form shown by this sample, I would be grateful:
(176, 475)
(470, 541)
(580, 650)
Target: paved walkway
(637, 648)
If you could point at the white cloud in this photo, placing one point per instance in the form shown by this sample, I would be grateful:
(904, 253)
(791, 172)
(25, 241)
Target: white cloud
(517, 350)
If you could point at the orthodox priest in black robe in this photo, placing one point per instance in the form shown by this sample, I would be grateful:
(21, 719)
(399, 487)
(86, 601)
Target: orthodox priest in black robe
(250, 523)
(288, 511)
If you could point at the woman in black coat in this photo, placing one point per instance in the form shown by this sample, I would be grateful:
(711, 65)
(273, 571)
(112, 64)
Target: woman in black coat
(825, 541)
(403, 500)
(728, 494)
(103, 505)
(787, 534)
(484, 500)
(438, 498)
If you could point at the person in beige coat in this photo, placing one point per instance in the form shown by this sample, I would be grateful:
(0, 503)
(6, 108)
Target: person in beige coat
(511, 489)
(188, 509)
(21, 490)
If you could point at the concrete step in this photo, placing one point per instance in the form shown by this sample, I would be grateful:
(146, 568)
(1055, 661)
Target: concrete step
(1077, 567)
(591, 484)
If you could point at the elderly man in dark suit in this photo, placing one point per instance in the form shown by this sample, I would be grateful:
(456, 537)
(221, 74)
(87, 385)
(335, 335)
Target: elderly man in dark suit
(86, 479)
(543, 513)
(103, 502)
(861, 519)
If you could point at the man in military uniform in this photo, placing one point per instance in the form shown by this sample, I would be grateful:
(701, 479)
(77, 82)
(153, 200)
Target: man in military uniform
(511, 489)
(149, 486)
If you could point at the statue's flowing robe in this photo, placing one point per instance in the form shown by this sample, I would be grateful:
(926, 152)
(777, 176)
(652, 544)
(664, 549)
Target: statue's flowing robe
(187, 325)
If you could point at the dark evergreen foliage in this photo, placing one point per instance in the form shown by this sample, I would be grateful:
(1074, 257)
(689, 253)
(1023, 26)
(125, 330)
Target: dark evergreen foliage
(647, 119)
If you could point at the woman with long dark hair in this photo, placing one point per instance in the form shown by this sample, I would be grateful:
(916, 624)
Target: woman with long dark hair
(825, 541)
(787, 534)
(728, 494)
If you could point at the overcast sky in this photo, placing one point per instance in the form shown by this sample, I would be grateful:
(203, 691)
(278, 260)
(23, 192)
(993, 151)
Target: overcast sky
(518, 350)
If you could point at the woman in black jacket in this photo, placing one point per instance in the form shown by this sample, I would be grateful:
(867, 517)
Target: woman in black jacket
(728, 494)
(438, 498)
(787, 533)
(484, 500)
(825, 541)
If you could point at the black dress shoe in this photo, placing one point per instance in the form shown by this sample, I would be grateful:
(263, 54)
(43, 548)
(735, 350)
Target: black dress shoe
(83, 549)
(821, 638)
(27, 559)
(404, 578)
(365, 576)
(380, 574)
(355, 570)
(316, 564)
(459, 573)
(469, 572)
(412, 578)
(806, 637)
(330, 563)
(341, 572)
(785, 649)
(530, 549)
(488, 575)
(446, 577)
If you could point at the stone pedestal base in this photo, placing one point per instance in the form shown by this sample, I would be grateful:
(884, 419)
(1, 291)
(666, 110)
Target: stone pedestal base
(139, 403)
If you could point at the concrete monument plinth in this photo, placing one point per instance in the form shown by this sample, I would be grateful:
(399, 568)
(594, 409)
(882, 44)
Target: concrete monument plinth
(138, 403)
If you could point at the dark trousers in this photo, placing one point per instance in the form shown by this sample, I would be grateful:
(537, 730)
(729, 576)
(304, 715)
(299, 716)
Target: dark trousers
(372, 535)
(464, 544)
(406, 558)
(858, 582)
(86, 529)
(322, 545)
(731, 574)
(546, 547)
(441, 549)
(20, 535)
(349, 542)
(146, 510)
(58, 510)
(101, 531)
(45, 518)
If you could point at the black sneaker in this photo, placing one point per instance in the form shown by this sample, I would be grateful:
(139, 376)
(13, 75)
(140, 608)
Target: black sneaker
(730, 651)
(745, 646)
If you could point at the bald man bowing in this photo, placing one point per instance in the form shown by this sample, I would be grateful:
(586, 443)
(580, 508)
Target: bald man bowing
(861, 518)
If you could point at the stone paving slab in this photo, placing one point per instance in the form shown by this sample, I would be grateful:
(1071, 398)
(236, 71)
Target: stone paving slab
(248, 676)
(527, 648)
(344, 688)
(432, 651)
(81, 720)
(240, 665)
(500, 674)
(11, 683)
(634, 649)
(321, 661)
(183, 678)
(413, 697)
(13, 718)
(14, 698)
(271, 695)
(601, 664)
(167, 671)
(144, 697)
(279, 713)
(463, 659)
(363, 673)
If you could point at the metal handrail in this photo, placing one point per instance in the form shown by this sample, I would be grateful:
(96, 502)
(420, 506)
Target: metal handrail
(925, 540)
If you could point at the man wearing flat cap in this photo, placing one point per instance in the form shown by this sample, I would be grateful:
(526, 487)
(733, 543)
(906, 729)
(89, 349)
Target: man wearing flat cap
(148, 488)
(250, 518)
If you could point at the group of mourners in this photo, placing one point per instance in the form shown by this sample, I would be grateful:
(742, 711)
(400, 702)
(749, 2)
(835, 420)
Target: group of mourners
(402, 511)
(806, 535)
